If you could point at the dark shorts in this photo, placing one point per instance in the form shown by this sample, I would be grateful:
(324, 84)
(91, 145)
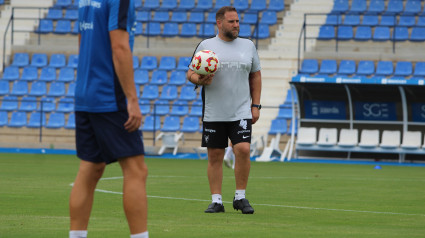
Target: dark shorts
(217, 134)
(101, 137)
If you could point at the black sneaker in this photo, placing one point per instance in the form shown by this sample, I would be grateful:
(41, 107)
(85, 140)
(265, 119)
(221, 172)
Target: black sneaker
(243, 205)
(215, 208)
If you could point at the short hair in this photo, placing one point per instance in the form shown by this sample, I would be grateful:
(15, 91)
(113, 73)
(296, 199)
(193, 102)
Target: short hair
(220, 13)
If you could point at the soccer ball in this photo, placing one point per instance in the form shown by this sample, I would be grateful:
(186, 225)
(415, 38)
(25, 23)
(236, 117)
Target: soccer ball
(205, 62)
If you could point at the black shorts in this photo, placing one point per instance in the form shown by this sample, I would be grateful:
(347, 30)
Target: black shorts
(101, 137)
(217, 134)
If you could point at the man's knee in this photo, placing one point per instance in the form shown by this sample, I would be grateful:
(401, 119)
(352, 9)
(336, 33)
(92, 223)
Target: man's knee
(242, 150)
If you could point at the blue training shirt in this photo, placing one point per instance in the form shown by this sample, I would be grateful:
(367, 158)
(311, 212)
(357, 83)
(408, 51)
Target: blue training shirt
(97, 88)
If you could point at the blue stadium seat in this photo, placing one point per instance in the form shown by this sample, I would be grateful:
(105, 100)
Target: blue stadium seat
(196, 109)
(333, 19)
(54, 14)
(184, 63)
(19, 88)
(138, 4)
(190, 125)
(48, 74)
(70, 123)
(419, 69)
(39, 60)
(370, 20)
(388, 20)
(149, 63)
(4, 88)
(284, 113)
(187, 93)
(241, 5)
(45, 26)
(74, 5)
(29, 73)
(3, 118)
(186, 4)
(169, 92)
(152, 29)
(63, 27)
(211, 18)
(72, 61)
(47, 104)
(358, 6)
(288, 99)
(161, 16)
(406, 21)
(257, 5)
(57, 60)
(351, 20)
(149, 123)
(178, 17)
(167, 63)
(171, 124)
(276, 5)
(37, 120)
(262, 32)
(394, 7)
(363, 33)
(75, 28)
(21, 59)
(178, 78)
(161, 108)
(71, 14)
(71, 90)
(56, 120)
(249, 18)
(403, 68)
(384, 68)
(326, 32)
(57, 89)
(417, 34)
(269, 17)
(400, 33)
(328, 67)
(347, 67)
(245, 30)
(340, 6)
(421, 20)
(145, 106)
(221, 3)
(366, 67)
(278, 126)
(204, 5)
(381, 33)
(159, 77)
(168, 5)
(141, 76)
(188, 30)
(345, 33)
(136, 62)
(63, 3)
(150, 92)
(139, 29)
(151, 4)
(18, 119)
(38, 88)
(376, 7)
(179, 108)
(142, 16)
(65, 105)
(11, 73)
(171, 29)
(66, 74)
(196, 17)
(206, 30)
(309, 66)
(28, 104)
(10, 103)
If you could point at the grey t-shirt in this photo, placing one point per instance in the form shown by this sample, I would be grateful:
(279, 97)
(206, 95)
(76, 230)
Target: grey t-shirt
(228, 97)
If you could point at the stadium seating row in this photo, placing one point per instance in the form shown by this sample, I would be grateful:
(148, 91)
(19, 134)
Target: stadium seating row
(54, 120)
(41, 60)
(378, 7)
(30, 73)
(375, 20)
(363, 68)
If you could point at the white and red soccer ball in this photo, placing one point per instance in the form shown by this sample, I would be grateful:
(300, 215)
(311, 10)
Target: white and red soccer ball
(205, 62)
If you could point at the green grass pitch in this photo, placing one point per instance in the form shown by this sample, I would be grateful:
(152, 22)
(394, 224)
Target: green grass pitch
(290, 200)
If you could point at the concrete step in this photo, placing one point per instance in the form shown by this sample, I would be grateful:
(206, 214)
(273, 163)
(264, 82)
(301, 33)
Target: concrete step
(283, 64)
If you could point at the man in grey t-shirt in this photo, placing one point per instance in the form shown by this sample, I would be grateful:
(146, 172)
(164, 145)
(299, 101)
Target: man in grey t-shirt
(231, 104)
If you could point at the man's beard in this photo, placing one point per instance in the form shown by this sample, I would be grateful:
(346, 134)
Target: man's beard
(230, 35)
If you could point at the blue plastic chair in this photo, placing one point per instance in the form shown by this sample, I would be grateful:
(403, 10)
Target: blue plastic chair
(141, 76)
(29, 73)
(347, 67)
(139, 29)
(340, 6)
(161, 108)
(11, 73)
(370, 20)
(4, 87)
(187, 93)
(63, 3)
(70, 123)
(188, 30)
(204, 5)
(278, 126)
(196, 109)
(65, 105)
(54, 14)
(363, 33)
(328, 67)
(138, 5)
(167, 63)
(177, 78)
(178, 17)
(179, 108)
(149, 123)
(38, 88)
(57, 60)
(284, 113)
(150, 92)
(151, 4)
(57, 89)
(206, 30)
(37, 120)
(9, 103)
(71, 90)
(21, 59)
(412, 7)
(358, 6)
(210, 18)
(403, 68)
(45, 26)
(417, 34)
(168, 5)
(388, 20)
(149, 63)
(142, 16)
(56, 120)
(75, 28)
(400, 33)
(249, 18)
(419, 69)
(190, 125)
(28, 104)
(351, 20)
(19, 88)
(366, 67)
(171, 29)
(376, 7)
(71, 14)
(345, 33)
(196, 17)
(241, 5)
(18, 119)
(381, 33)
(66, 74)
(145, 106)
(135, 62)
(47, 104)
(39, 60)
(48, 74)
(262, 32)
(184, 63)
(169, 92)
(406, 21)
(171, 124)
(257, 5)
(221, 3)
(63, 27)
(333, 19)
(159, 77)
(309, 66)
(186, 4)
(384, 68)
(394, 7)
(326, 32)
(276, 5)
(152, 29)
(269, 17)
(160, 16)
(3, 118)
